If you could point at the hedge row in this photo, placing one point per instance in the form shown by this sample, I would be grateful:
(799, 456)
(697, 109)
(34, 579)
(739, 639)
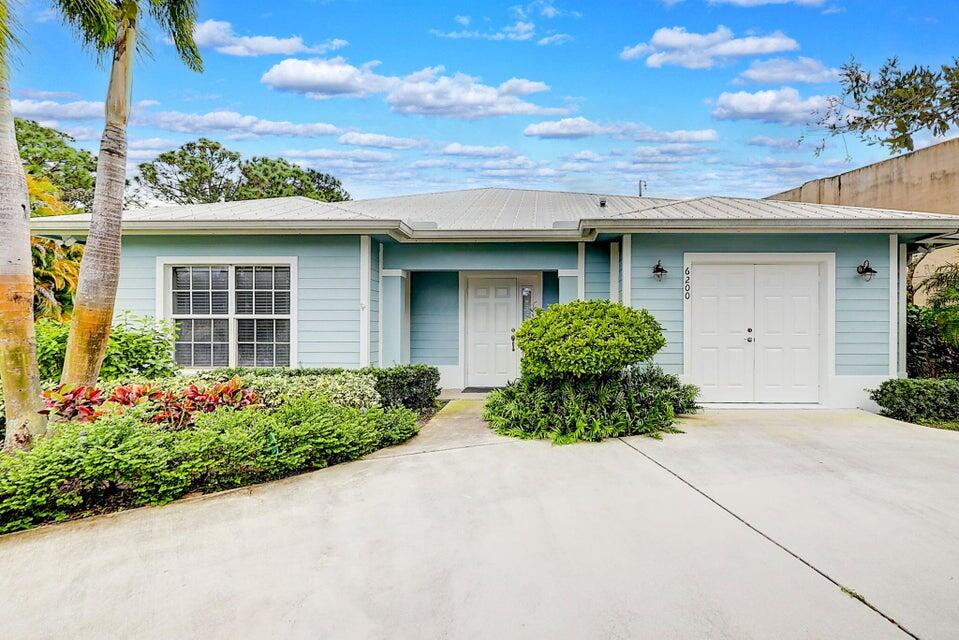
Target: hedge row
(919, 399)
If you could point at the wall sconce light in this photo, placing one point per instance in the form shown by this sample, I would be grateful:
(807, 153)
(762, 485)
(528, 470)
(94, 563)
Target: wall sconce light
(866, 271)
(659, 270)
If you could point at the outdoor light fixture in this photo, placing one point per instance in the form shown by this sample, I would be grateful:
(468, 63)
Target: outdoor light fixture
(866, 271)
(659, 270)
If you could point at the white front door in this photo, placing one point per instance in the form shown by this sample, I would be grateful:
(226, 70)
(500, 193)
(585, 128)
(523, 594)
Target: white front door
(492, 315)
(755, 332)
(722, 314)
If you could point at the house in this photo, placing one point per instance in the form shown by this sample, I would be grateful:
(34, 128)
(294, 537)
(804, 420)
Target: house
(761, 301)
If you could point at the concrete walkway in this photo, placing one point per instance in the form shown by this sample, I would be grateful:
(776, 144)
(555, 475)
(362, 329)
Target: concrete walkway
(743, 527)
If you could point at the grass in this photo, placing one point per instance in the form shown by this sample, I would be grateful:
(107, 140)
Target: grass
(949, 425)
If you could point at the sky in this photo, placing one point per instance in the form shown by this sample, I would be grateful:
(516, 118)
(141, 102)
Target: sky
(691, 97)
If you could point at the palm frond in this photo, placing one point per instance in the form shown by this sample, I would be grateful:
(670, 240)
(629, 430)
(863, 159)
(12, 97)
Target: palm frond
(177, 18)
(93, 21)
(8, 36)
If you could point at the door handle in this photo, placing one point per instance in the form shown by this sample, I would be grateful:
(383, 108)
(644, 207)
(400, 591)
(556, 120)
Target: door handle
(512, 339)
(749, 339)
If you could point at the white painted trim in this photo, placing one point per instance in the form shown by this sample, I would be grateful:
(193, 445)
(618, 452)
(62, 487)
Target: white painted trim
(827, 301)
(379, 310)
(581, 269)
(893, 304)
(365, 258)
(568, 273)
(164, 292)
(614, 272)
(405, 329)
(395, 273)
(901, 329)
(628, 270)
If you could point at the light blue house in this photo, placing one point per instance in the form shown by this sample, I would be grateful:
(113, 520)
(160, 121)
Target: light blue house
(761, 301)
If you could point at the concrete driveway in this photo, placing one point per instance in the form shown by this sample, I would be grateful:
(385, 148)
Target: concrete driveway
(749, 525)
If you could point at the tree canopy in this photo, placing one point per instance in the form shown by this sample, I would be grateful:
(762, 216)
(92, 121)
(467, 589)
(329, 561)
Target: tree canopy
(49, 158)
(892, 106)
(205, 171)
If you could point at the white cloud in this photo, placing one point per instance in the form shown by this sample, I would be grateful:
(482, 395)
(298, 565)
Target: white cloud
(236, 125)
(219, 35)
(586, 156)
(462, 20)
(476, 151)
(759, 3)
(40, 94)
(556, 38)
(424, 92)
(676, 46)
(783, 106)
(581, 127)
(780, 70)
(522, 87)
(519, 31)
(355, 155)
(381, 141)
(52, 110)
(777, 144)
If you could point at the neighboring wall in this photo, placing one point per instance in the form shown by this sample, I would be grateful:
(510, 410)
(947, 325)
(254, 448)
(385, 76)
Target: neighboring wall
(328, 285)
(924, 180)
(862, 308)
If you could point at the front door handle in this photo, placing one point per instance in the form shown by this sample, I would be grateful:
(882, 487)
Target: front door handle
(749, 339)
(512, 339)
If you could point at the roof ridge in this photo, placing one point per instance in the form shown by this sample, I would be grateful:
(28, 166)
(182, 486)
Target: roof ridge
(665, 204)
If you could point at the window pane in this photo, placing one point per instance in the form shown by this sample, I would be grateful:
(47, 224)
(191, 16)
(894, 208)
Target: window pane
(282, 330)
(201, 302)
(181, 278)
(281, 278)
(282, 355)
(244, 355)
(201, 277)
(264, 278)
(244, 302)
(221, 355)
(264, 331)
(221, 331)
(183, 354)
(264, 355)
(282, 302)
(184, 330)
(220, 278)
(181, 302)
(264, 302)
(202, 331)
(220, 303)
(244, 277)
(245, 331)
(201, 355)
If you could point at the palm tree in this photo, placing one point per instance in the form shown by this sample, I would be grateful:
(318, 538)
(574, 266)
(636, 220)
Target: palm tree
(99, 271)
(18, 356)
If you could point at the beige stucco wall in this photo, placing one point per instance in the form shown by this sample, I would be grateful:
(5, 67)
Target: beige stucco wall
(924, 180)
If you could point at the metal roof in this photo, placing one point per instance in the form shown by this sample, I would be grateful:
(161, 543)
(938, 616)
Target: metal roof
(503, 213)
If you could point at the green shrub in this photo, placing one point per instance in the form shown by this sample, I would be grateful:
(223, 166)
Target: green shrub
(929, 354)
(138, 346)
(414, 386)
(587, 337)
(592, 408)
(123, 461)
(918, 399)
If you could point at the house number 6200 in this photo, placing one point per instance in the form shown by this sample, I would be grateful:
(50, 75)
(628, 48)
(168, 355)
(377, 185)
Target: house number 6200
(686, 284)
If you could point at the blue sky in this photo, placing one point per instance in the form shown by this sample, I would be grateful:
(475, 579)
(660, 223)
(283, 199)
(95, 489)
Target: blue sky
(695, 97)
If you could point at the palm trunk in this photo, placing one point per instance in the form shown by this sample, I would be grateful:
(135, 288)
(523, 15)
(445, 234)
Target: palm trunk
(18, 353)
(100, 268)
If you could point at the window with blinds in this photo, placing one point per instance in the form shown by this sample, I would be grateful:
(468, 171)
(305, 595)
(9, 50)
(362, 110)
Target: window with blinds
(232, 315)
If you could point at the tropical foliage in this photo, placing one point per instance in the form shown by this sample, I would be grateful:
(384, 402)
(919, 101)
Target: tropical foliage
(586, 376)
(60, 176)
(56, 268)
(893, 105)
(942, 289)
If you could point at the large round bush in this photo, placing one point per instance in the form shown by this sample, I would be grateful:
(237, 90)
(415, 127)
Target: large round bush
(587, 337)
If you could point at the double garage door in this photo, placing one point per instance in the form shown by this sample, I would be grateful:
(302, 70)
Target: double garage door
(755, 332)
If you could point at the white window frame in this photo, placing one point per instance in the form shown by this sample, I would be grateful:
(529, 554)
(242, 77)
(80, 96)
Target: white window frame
(164, 293)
